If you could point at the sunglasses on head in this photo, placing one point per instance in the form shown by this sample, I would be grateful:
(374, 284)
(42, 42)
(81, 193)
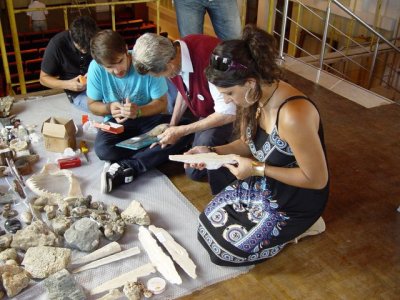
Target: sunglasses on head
(224, 64)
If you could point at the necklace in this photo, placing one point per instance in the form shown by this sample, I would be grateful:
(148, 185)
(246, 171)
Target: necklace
(261, 105)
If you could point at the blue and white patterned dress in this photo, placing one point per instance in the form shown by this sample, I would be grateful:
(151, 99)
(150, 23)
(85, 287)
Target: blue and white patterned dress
(253, 219)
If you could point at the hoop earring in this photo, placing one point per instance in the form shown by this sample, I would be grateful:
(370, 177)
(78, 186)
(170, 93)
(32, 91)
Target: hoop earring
(246, 97)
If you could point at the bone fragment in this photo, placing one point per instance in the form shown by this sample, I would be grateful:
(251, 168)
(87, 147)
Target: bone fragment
(119, 281)
(107, 250)
(161, 261)
(113, 294)
(178, 253)
(109, 259)
(211, 160)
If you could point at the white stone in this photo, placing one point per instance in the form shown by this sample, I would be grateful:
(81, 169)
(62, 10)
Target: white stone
(135, 214)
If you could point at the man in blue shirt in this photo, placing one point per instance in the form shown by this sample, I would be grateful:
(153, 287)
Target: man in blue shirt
(117, 92)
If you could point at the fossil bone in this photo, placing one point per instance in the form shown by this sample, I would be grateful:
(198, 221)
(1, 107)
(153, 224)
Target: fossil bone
(211, 160)
(113, 294)
(119, 281)
(107, 250)
(108, 259)
(162, 262)
(52, 176)
(178, 253)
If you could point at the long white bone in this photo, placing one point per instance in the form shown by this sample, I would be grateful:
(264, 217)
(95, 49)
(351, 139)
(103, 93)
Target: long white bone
(178, 253)
(161, 261)
(108, 259)
(108, 249)
(133, 275)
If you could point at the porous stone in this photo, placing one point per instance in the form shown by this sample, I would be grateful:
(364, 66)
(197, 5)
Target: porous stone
(5, 241)
(14, 279)
(43, 261)
(60, 224)
(8, 214)
(135, 214)
(8, 254)
(26, 217)
(62, 285)
(51, 211)
(36, 234)
(79, 201)
(83, 235)
(114, 230)
(12, 225)
(133, 290)
(11, 262)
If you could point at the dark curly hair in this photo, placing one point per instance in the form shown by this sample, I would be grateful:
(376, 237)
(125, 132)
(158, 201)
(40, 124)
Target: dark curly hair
(82, 29)
(257, 51)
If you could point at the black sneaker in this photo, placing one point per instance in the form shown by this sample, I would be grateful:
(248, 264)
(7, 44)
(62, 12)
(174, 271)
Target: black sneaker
(115, 176)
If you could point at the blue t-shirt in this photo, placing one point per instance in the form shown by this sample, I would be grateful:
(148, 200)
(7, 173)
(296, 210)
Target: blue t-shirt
(105, 87)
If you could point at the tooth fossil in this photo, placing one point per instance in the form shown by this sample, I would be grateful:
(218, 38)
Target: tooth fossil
(108, 259)
(107, 250)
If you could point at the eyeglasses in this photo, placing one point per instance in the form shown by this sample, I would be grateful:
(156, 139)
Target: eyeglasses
(224, 64)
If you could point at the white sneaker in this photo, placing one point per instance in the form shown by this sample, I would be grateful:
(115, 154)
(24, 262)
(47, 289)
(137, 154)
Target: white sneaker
(103, 178)
(317, 228)
(115, 176)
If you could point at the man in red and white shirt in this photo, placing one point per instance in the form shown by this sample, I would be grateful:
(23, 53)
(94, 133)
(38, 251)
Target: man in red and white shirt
(184, 62)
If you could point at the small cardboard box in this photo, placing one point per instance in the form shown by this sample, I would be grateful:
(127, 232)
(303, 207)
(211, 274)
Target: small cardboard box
(59, 133)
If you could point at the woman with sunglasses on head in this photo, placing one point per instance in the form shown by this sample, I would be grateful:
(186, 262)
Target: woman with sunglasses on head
(282, 177)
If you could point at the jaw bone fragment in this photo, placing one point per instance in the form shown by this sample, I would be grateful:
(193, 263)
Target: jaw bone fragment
(162, 262)
(107, 250)
(178, 253)
(119, 281)
(108, 259)
(51, 176)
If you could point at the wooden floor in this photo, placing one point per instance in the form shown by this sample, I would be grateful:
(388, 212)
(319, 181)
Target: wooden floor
(358, 255)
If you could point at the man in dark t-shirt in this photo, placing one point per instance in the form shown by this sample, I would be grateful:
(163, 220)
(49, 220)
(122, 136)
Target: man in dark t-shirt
(67, 58)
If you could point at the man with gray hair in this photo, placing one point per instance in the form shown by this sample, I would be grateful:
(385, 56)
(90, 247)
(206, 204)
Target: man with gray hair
(184, 62)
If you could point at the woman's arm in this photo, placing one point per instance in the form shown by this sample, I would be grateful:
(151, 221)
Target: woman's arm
(298, 126)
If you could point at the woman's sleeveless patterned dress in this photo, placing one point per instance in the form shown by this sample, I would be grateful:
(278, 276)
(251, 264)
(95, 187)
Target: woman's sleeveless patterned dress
(253, 219)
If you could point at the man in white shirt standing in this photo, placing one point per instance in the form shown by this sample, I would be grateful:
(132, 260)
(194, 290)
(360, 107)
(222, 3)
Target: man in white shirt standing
(37, 19)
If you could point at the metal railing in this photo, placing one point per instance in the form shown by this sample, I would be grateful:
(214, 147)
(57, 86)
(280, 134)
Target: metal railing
(350, 52)
(14, 32)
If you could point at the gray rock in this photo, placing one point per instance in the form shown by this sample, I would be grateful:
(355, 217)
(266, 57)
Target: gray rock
(14, 278)
(83, 235)
(43, 261)
(62, 285)
(36, 234)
